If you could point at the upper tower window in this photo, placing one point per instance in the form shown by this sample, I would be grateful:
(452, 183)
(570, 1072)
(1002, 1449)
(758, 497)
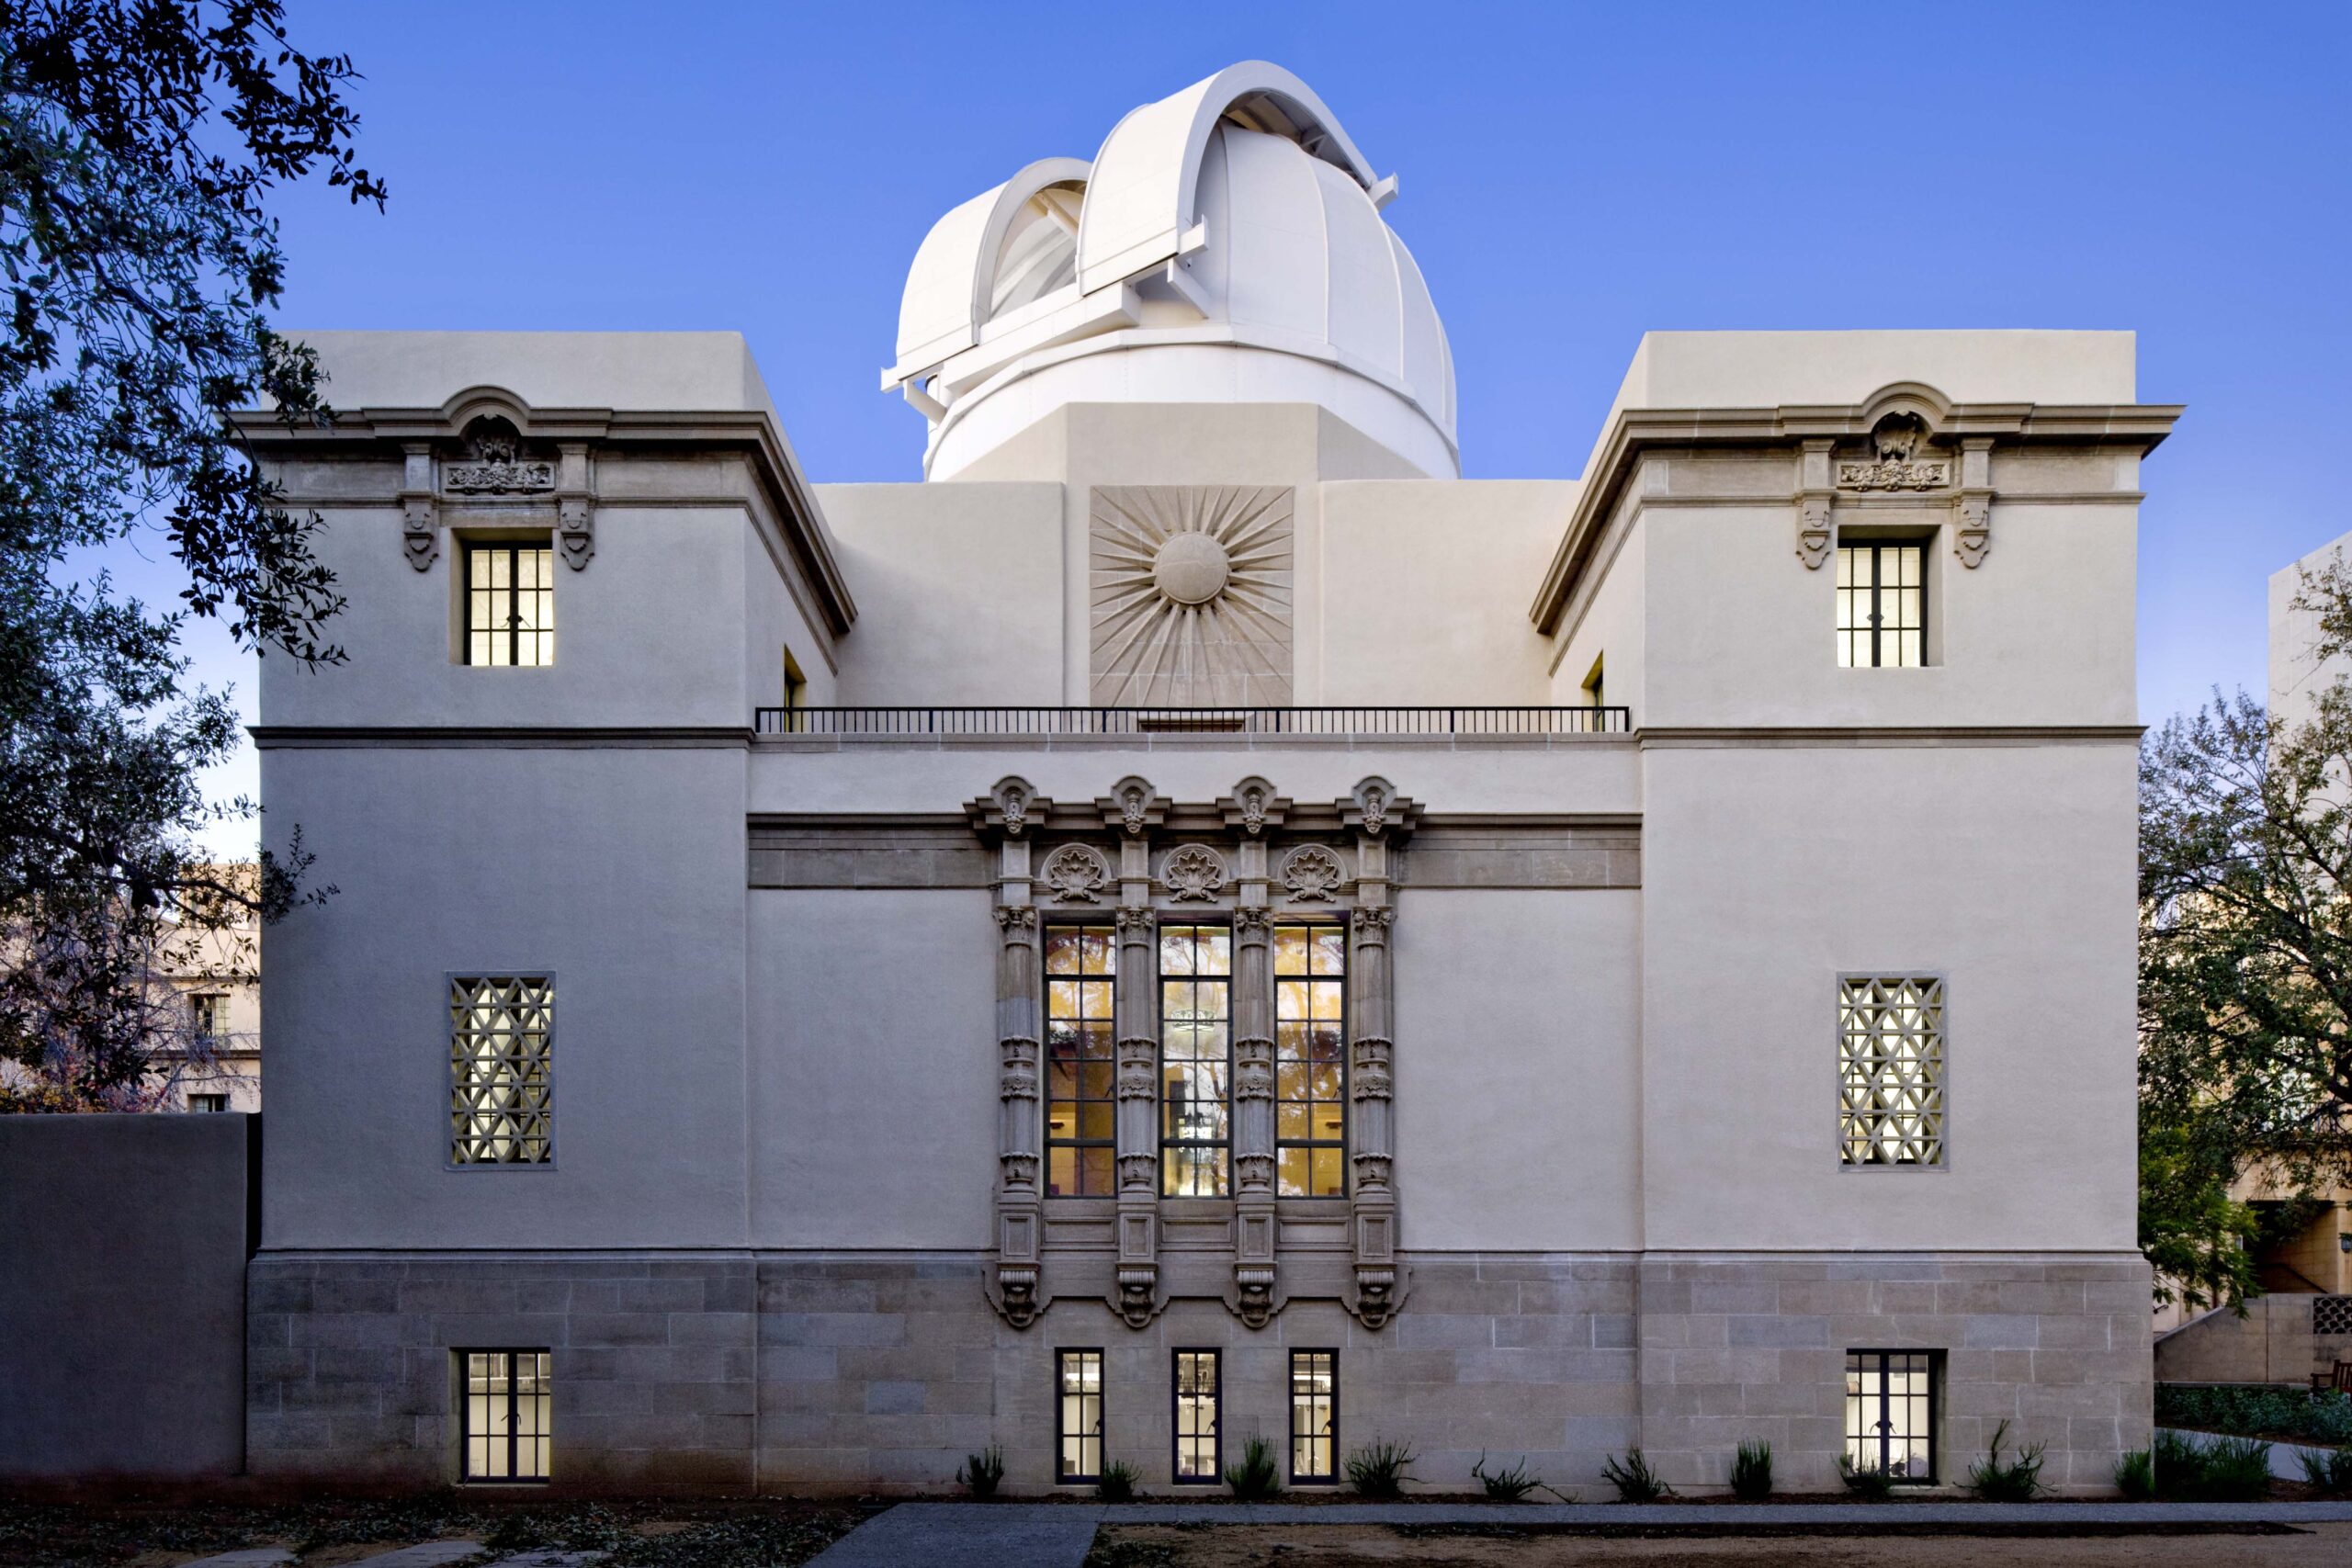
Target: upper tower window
(510, 605)
(1882, 605)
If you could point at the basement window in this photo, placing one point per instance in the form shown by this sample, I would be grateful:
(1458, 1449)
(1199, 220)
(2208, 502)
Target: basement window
(503, 1415)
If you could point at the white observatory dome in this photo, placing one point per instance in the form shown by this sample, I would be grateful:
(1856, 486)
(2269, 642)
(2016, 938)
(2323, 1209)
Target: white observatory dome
(1225, 245)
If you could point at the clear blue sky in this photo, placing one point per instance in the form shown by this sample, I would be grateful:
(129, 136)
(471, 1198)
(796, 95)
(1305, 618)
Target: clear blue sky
(1571, 174)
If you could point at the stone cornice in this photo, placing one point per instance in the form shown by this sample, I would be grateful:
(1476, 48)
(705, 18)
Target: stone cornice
(1726, 736)
(1634, 432)
(800, 537)
(290, 736)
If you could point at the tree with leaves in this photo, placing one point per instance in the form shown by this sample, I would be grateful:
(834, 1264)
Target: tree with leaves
(141, 142)
(2245, 964)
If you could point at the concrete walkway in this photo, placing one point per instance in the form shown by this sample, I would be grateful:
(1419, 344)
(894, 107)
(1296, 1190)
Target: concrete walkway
(1057, 1535)
(425, 1554)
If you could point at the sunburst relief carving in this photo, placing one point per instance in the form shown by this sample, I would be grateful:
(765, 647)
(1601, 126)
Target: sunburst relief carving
(1190, 596)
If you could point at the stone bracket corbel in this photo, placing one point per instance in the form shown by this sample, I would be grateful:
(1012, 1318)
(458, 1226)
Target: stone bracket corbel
(1814, 495)
(575, 505)
(1972, 535)
(420, 509)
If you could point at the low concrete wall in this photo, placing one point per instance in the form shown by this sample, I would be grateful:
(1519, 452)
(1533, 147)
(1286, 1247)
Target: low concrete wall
(2272, 1343)
(123, 1242)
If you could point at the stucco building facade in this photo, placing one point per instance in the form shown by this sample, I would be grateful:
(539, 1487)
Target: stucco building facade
(1195, 920)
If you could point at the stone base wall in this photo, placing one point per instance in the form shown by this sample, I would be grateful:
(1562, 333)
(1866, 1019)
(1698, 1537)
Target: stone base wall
(788, 1373)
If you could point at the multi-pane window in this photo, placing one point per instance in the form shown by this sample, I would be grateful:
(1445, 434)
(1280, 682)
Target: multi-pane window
(1200, 1458)
(1078, 1416)
(1310, 1060)
(502, 1064)
(1082, 968)
(1195, 1051)
(213, 1103)
(1314, 1417)
(1882, 605)
(510, 605)
(1890, 1070)
(208, 1017)
(1891, 1413)
(504, 1413)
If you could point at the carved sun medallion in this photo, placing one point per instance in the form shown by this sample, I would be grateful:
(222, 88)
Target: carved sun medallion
(1191, 596)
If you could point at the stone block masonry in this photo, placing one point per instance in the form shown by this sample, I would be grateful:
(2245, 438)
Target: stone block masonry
(736, 1373)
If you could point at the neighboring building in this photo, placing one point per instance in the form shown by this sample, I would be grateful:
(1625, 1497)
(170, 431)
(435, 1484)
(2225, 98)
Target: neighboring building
(216, 973)
(1195, 920)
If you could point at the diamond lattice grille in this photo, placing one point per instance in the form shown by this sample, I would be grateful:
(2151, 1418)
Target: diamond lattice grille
(1890, 1070)
(502, 1033)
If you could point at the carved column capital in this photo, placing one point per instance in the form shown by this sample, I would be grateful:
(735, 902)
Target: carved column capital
(1018, 921)
(1133, 921)
(1138, 1075)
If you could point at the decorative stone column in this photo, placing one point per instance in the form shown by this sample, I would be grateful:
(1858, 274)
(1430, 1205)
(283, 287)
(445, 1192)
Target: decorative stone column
(1134, 808)
(1379, 816)
(1253, 1102)
(1017, 1287)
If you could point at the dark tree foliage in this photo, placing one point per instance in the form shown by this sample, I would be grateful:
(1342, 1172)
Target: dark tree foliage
(2246, 962)
(140, 143)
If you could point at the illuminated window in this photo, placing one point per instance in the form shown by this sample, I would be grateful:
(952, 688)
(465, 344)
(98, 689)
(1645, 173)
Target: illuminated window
(1082, 981)
(208, 1018)
(1200, 1458)
(1890, 1070)
(1314, 1417)
(510, 605)
(1078, 1416)
(501, 1045)
(1882, 605)
(211, 1102)
(1310, 1061)
(504, 1414)
(1596, 690)
(1891, 1413)
(1195, 1051)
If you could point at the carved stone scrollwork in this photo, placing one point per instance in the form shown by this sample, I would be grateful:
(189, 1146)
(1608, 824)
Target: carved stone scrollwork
(420, 531)
(1312, 874)
(1254, 1286)
(1016, 1287)
(1253, 806)
(1814, 531)
(495, 465)
(1253, 1070)
(1133, 805)
(1894, 464)
(1076, 873)
(1193, 872)
(1012, 807)
(1138, 1295)
(1376, 1296)
(1371, 1077)
(575, 531)
(1972, 535)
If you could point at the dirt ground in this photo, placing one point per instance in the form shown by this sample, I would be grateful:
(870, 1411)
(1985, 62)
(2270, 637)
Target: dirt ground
(1365, 1546)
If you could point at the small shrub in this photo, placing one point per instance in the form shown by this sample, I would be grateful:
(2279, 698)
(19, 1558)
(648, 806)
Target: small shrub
(1635, 1480)
(1377, 1470)
(2135, 1475)
(1118, 1482)
(1510, 1485)
(2254, 1410)
(2020, 1480)
(2227, 1470)
(1751, 1471)
(1254, 1477)
(1871, 1485)
(982, 1471)
(2329, 1472)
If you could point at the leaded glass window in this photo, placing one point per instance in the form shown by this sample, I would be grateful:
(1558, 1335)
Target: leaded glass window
(510, 605)
(1310, 1060)
(1882, 605)
(502, 1061)
(1891, 1069)
(1195, 1058)
(1078, 1416)
(506, 1416)
(1082, 981)
(1891, 1413)
(1314, 1417)
(1200, 1456)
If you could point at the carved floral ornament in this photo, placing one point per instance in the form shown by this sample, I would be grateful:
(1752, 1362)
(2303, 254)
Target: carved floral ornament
(1898, 462)
(493, 467)
(1193, 872)
(1076, 873)
(1312, 874)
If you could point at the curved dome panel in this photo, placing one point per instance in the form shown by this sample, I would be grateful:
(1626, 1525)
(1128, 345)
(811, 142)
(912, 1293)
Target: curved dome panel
(949, 287)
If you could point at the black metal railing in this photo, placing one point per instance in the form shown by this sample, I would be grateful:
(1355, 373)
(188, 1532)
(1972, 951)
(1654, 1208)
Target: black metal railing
(1010, 721)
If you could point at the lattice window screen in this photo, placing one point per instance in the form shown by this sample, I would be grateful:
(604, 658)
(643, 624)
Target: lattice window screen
(502, 1049)
(2332, 1314)
(1890, 1070)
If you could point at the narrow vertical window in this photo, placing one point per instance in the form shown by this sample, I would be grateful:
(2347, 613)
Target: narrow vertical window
(1596, 690)
(1199, 1453)
(505, 1413)
(1882, 605)
(1078, 1416)
(1081, 1137)
(1891, 1413)
(1890, 1070)
(1195, 1053)
(1310, 1061)
(501, 1066)
(1314, 1417)
(510, 605)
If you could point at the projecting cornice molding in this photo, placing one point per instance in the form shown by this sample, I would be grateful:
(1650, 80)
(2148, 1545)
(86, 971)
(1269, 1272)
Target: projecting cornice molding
(1946, 433)
(481, 447)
